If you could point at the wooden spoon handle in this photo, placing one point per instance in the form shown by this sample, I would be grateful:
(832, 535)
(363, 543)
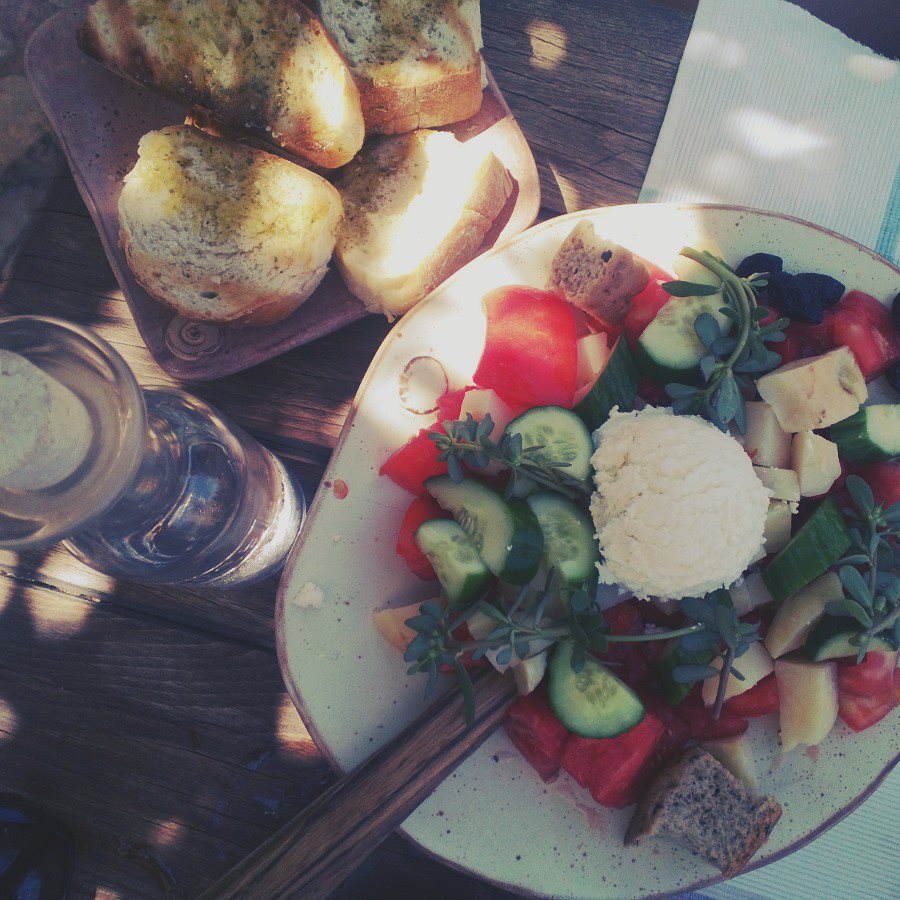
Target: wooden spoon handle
(312, 854)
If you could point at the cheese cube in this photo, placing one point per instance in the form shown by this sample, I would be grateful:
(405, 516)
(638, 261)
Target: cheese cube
(783, 484)
(766, 443)
(815, 460)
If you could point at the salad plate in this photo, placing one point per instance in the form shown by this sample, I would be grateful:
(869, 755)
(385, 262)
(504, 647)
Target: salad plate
(494, 817)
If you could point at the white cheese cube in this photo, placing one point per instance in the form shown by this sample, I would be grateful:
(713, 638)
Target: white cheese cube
(766, 443)
(479, 403)
(593, 352)
(748, 593)
(815, 460)
(783, 484)
(816, 392)
(777, 532)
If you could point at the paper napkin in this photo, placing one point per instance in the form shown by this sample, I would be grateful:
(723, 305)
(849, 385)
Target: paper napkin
(774, 109)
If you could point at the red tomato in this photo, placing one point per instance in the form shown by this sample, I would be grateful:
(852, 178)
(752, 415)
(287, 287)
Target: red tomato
(699, 719)
(628, 661)
(530, 355)
(614, 770)
(420, 510)
(882, 477)
(539, 736)
(803, 340)
(861, 713)
(415, 461)
(760, 700)
(675, 735)
(873, 677)
(449, 406)
(645, 305)
(861, 323)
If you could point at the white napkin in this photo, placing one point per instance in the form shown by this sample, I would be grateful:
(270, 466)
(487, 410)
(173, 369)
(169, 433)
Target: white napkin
(774, 109)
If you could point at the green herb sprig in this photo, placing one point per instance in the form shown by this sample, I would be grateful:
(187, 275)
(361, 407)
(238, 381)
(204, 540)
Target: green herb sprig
(722, 633)
(870, 573)
(732, 356)
(469, 441)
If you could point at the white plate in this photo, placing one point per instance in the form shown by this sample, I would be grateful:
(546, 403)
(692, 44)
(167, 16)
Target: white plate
(494, 817)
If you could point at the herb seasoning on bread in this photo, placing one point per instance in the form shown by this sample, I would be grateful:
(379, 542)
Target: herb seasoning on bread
(268, 66)
(223, 232)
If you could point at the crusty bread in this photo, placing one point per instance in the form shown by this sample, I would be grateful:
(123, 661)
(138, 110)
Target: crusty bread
(699, 803)
(265, 65)
(416, 62)
(223, 232)
(596, 275)
(417, 208)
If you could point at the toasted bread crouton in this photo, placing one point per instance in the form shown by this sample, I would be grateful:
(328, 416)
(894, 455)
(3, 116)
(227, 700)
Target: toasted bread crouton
(417, 208)
(223, 232)
(700, 804)
(268, 66)
(596, 275)
(416, 62)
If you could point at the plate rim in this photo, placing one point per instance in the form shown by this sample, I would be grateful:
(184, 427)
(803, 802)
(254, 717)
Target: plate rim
(293, 689)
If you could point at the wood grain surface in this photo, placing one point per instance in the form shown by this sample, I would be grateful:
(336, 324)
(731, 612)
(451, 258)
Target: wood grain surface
(154, 720)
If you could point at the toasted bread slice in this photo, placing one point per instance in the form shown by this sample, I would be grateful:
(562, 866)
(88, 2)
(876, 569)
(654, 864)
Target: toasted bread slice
(596, 275)
(223, 232)
(700, 804)
(417, 208)
(416, 62)
(265, 65)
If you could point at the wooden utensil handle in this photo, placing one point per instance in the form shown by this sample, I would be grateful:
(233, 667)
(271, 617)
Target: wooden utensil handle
(312, 854)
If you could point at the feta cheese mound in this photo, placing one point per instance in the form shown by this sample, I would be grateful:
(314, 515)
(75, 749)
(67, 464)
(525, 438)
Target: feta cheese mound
(678, 509)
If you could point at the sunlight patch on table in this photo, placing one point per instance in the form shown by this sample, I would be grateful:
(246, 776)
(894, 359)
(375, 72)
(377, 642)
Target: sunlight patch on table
(772, 137)
(289, 727)
(9, 721)
(571, 195)
(166, 833)
(55, 618)
(548, 43)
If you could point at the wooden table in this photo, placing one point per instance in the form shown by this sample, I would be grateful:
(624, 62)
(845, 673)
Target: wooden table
(154, 720)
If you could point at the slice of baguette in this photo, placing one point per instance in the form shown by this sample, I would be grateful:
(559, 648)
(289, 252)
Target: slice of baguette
(265, 65)
(416, 62)
(417, 208)
(222, 232)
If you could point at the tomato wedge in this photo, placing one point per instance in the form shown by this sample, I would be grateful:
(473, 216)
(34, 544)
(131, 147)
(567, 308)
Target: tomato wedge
(415, 461)
(530, 356)
(760, 700)
(873, 677)
(645, 305)
(861, 713)
(538, 735)
(420, 510)
(864, 325)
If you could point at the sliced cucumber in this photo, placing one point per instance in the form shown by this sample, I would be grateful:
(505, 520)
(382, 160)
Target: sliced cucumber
(569, 544)
(870, 435)
(505, 533)
(592, 702)
(616, 385)
(830, 639)
(562, 436)
(815, 547)
(669, 349)
(676, 655)
(455, 558)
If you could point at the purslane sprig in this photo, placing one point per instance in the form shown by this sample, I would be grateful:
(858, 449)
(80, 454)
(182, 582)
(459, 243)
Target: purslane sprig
(469, 441)
(523, 629)
(733, 356)
(723, 634)
(870, 573)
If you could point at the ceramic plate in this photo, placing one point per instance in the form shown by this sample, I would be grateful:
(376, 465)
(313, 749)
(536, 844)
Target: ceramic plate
(99, 118)
(494, 817)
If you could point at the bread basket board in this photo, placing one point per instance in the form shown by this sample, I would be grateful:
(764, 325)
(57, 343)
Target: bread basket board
(99, 117)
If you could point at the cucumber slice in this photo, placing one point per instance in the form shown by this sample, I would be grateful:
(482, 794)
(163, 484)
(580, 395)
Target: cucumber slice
(561, 434)
(592, 702)
(457, 564)
(830, 639)
(616, 385)
(870, 435)
(505, 533)
(669, 349)
(676, 655)
(819, 544)
(569, 544)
